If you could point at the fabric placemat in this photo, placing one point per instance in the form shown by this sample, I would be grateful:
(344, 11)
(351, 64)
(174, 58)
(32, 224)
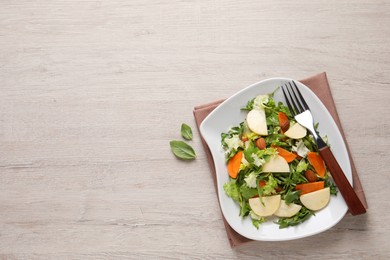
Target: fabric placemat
(320, 86)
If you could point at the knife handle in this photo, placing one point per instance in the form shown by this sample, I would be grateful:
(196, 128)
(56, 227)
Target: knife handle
(355, 205)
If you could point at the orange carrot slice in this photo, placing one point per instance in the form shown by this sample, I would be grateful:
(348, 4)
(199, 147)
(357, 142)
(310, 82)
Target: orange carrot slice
(309, 187)
(234, 164)
(283, 121)
(288, 156)
(317, 163)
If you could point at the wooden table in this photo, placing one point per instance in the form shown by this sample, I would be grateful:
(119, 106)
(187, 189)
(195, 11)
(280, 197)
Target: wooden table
(91, 93)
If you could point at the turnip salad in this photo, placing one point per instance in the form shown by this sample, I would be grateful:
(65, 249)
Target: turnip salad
(275, 170)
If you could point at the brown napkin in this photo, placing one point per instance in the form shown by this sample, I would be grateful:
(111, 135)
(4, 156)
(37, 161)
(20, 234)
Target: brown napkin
(320, 86)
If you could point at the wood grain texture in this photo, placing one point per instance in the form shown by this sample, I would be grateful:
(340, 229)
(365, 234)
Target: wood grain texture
(92, 91)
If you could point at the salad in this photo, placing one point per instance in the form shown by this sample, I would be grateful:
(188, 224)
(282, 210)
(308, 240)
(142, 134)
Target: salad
(275, 170)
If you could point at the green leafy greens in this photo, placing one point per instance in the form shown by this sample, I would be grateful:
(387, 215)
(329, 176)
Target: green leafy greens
(302, 215)
(252, 181)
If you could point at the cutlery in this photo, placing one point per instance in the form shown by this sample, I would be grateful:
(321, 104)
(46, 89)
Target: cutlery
(301, 112)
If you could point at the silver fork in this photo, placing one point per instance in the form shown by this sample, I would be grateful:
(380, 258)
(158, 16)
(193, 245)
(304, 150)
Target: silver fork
(301, 112)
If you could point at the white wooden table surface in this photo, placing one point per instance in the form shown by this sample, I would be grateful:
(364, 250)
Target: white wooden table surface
(91, 93)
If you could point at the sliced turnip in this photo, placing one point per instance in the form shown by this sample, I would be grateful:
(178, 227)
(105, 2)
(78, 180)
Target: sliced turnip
(286, 211)
(316, 200)
(296, 131)
(271, 204)
(257, 122)
(276, 164)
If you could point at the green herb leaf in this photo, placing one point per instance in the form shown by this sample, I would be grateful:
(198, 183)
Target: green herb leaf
(182, 150)
(260, 192)
(186, 131)
(291, 196)
(270, 186)
(332, 187)
(258, 222)
(232, 190)
(300, 217)
(244, 208)
(241, 189)
(247, 192)
(249, 105)
(302, 166)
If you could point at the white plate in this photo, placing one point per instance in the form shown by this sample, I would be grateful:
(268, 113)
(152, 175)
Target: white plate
(227, 115)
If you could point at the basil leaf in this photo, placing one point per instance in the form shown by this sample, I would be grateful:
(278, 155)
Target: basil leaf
(182, 150)
(186, 131)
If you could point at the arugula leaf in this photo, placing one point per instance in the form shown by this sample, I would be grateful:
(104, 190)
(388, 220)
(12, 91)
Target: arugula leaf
(258, 222)
(182, 150)
(271, 102)
(272, 119)
(249, 105)
(281, 107)
(300, 217)
(244, 208)
(291, 196)
(186, 131)
(332, 187)
(251, 149)
(297, 177)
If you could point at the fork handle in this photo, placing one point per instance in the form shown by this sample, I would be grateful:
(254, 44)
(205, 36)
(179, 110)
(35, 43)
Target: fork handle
(355, 205)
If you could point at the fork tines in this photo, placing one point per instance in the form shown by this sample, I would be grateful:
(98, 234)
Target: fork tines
(296, 103)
